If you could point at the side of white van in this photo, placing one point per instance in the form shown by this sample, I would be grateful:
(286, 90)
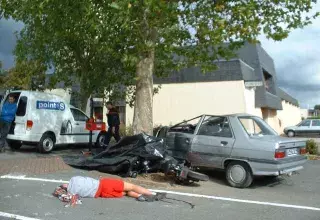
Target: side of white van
(46, 120)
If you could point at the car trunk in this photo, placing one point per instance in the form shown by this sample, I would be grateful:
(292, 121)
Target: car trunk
(289, 148)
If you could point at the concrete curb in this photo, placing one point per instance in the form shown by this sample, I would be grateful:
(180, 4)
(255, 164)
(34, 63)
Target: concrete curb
(313, 157)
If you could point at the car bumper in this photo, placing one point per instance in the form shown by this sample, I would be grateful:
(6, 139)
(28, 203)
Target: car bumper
(25, 137)
(267, 169)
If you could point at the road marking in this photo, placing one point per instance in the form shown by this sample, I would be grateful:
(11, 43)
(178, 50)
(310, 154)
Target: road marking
(239, 200)
(20, 217)
(22, 177)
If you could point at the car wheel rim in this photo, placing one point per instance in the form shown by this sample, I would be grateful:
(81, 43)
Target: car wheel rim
(47, 144)
(237, 174)
(290, 134)
(101, 140)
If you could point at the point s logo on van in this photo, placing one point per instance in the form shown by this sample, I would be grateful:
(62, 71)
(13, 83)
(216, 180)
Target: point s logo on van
(51, 105)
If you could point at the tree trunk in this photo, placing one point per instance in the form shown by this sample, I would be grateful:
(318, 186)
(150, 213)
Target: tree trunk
(84, 96)
(143, 113)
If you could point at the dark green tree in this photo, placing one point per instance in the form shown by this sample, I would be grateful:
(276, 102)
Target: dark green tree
(105, 42)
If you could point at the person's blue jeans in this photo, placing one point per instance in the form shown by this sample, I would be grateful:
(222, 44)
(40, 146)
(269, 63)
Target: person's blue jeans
(4, 131)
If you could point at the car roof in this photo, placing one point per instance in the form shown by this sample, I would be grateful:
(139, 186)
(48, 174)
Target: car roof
(234, 115)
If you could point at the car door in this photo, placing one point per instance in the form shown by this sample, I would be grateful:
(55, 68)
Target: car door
(304, 128)
(315, 126)
(81, 135)
(213, 141)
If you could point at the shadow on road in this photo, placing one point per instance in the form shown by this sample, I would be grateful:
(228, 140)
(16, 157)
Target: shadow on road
(218, 176)
(58, 151)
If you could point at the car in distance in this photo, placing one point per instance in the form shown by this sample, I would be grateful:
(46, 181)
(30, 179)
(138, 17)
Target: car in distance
(306, 127)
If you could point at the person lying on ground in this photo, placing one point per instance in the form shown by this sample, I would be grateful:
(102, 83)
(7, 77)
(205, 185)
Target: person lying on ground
(87, 187)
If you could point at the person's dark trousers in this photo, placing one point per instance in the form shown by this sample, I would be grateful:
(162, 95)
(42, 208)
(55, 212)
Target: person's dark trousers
(4, 130)
(109, 135)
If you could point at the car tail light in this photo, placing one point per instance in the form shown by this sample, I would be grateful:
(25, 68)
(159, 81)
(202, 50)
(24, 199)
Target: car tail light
(29, 124)
(279, 154)
(303, 150)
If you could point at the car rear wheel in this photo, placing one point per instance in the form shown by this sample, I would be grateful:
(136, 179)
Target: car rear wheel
(46, 143)
(100, 140)
(14, 145)
(291, 134)
(239, 175)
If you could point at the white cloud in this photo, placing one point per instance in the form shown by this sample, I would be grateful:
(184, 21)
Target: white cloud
(297, 61)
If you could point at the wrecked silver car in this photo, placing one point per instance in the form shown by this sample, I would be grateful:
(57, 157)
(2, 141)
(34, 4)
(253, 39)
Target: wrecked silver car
(243, 145)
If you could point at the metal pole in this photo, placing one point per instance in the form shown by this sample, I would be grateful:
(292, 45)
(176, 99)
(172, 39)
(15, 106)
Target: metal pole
(91, 116)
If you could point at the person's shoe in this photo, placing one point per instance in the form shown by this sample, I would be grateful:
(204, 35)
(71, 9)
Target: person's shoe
(160, 196)
(146, 198)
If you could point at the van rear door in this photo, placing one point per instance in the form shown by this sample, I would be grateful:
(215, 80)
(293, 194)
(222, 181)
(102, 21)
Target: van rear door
(21, 122)
(19, 125)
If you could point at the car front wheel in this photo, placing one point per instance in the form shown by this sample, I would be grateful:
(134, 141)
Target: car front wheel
(239, 175)
(291, 134)
(100, 140)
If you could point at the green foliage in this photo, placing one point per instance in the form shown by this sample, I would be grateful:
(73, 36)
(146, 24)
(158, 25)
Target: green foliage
(2, 76)
(28, 75)
(314, 117)
(317, 107)
(126, 130)
(312, 147)
(100, 44)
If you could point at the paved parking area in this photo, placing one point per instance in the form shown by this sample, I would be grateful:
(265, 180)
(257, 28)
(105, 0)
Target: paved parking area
(37, 203)
(295, 197)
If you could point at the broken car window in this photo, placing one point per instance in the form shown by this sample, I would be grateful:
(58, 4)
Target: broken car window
(186, 126)
(215, 126)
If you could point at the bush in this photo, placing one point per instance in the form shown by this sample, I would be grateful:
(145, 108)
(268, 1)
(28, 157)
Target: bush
(125, 130)
(312, 147)
(128, 130)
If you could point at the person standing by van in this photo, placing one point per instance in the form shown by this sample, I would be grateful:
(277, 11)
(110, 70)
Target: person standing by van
(7, 115)
(113, 124)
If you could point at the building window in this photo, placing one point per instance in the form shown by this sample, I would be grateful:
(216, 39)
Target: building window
(122, 114)
(268, 81)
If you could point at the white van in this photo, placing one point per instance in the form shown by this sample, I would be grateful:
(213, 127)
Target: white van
(46, 120)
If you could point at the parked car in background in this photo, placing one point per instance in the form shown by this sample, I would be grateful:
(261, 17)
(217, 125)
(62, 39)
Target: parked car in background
(243, 145)
(306, 127)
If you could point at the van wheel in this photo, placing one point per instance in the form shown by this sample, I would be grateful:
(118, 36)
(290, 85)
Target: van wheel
(46, 143)
(239, 175)
(14, 145)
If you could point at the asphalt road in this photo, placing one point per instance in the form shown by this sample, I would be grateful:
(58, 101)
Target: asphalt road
(33, 199)
(295, 197)
(266, 199)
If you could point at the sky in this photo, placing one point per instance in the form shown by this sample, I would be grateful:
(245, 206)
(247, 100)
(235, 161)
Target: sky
(296, 58)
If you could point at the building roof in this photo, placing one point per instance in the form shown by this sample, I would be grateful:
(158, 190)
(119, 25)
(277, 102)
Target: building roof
(228, 70)
(285, 96)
